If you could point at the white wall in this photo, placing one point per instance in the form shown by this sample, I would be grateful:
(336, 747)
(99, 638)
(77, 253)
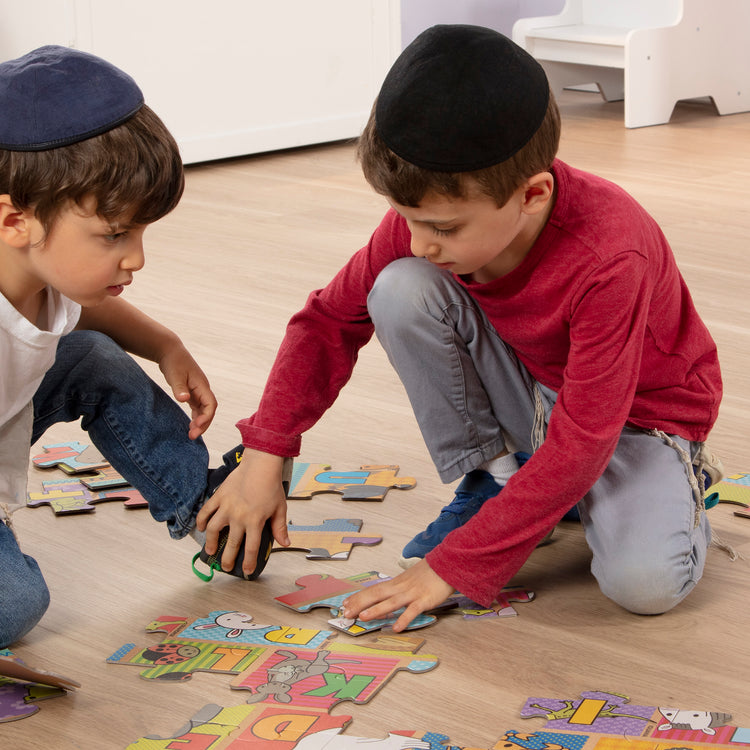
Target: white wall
(417, 15)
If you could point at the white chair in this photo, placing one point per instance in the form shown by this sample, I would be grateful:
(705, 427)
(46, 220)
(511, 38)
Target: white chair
(651, 53)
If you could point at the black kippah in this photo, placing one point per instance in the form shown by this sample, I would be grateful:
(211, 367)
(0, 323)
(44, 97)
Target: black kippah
(461, 98)
(55, 96)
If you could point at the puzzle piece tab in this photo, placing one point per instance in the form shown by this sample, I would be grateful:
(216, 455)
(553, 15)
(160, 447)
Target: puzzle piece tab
(370, 482)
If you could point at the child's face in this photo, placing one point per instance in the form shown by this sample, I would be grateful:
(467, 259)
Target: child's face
(471, 236)
(84, 256)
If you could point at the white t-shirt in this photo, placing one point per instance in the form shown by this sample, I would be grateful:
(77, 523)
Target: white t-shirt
(26, 353)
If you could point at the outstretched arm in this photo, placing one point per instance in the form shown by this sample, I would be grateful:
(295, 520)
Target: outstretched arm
(141, 335)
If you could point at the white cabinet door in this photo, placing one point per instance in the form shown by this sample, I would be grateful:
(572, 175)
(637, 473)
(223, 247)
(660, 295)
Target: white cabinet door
(234, 77)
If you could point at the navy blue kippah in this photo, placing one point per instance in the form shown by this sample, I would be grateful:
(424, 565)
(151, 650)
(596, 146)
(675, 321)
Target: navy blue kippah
(461, 98)
(55, 96)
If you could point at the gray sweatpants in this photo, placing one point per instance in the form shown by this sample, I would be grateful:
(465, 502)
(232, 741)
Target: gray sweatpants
(643, 519)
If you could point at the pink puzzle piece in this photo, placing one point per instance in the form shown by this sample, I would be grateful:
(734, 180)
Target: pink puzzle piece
(68, 458)
(68, 496)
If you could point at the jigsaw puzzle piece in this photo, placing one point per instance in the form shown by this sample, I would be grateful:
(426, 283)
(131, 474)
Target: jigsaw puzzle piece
(369, 482)
(175, 659)
(69, 457)
(320, 590)
(22, 686)
(106, 478)
(595, 711)
(355, 627)
(331, 540)
(66, 496)
(342, 671)
(247, 727)
(238, 627)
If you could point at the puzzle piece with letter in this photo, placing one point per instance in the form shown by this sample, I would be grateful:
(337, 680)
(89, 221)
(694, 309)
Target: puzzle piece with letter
(66, 496)
(322, 678)
(264, 727)
(606, 721)
(331, 540)
(369, 482)
(71, 457)
(225, 641)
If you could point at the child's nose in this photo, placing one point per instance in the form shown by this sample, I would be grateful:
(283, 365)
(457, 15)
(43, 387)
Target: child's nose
(423, 248)
(135, 257)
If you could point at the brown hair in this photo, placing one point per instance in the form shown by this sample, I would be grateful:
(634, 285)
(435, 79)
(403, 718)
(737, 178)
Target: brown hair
(407, 184)
(132, 171)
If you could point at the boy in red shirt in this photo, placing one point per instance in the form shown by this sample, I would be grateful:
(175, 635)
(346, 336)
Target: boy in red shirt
(529, 308)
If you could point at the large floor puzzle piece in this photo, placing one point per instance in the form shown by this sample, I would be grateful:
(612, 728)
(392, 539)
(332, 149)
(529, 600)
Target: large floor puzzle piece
(320, 590)
(70, 457)
(264, 727)
(331, 540)
(603, 721)
(224, 641)
(106, 478)
(66, 496)
(21, 687)
(370, 482)
(340, 672)
(595, 711)
(503, 606)
(734, 489)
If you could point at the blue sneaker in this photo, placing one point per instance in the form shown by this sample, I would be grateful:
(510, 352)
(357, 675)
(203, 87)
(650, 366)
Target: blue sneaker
(475, 488)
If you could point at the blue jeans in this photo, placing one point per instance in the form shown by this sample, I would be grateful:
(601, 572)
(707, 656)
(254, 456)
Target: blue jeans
(136, 426)
(471, 396)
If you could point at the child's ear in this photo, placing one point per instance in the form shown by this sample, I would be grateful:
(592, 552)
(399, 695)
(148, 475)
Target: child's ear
(539, 190)
(15, 225)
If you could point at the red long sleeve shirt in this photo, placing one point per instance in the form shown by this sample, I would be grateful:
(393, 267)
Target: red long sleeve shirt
(597, 311)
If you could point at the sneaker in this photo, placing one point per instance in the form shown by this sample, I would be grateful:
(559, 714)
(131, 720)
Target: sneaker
(475, 488)
(215, 478)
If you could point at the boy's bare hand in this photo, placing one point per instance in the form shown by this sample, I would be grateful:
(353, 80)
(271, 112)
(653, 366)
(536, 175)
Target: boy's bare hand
(418, 589)
(251, 494)
(189, 385)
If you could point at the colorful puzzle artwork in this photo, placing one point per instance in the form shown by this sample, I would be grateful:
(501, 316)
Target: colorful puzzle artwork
(331, 540)
(503, 606)
(370, 482)
(275, 662)
(106, 478)
(320, 590)
(257, 726)
(735, 489)
(260, 727)
(22, 687)
(66, 496)
(599, 713)
(71, 457)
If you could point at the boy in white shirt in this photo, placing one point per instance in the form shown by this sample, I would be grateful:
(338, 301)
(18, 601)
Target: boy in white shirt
(85, 167)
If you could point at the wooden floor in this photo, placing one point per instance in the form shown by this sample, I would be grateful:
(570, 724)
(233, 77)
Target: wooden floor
(250, 239)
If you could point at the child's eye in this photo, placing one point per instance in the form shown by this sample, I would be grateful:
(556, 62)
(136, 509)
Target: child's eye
(115, 236)
(443, 232)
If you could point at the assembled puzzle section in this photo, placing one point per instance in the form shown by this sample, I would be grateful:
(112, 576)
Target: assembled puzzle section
(322, 590)
(597, 720)
(277, 663)
(369, 482)
(90, 479)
